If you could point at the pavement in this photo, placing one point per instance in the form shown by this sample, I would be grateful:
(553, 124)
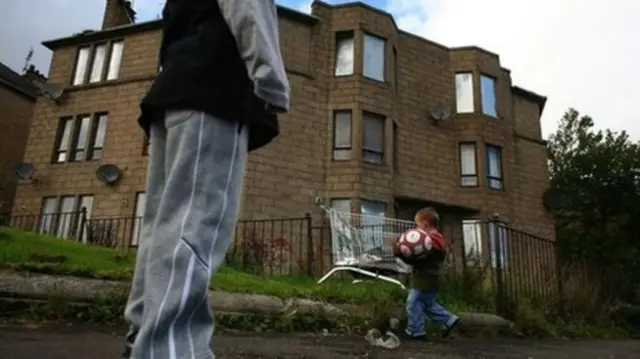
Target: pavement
(55, 341)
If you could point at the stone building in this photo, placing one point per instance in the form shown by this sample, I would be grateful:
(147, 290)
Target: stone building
(17, 101)
(382, 122)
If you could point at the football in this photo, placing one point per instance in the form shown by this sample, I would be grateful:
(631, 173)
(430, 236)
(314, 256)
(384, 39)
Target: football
(414, 243)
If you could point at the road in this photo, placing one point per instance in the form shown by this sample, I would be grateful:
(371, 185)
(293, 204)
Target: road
(80, 342)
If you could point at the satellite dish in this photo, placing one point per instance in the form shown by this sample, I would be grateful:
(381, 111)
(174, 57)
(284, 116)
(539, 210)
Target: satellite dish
(109, 174)
(555, 199)
(51, 91)
(24, 171)
(440, 112)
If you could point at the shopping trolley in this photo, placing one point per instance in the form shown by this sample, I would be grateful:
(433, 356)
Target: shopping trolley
(359, 245)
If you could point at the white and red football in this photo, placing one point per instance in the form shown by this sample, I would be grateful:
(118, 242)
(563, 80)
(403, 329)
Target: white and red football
(414, 243)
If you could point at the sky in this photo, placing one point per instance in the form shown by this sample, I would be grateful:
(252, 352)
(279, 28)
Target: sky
(578, 53)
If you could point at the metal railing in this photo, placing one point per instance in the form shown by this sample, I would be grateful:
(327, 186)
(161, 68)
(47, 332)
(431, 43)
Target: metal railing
(486, 259)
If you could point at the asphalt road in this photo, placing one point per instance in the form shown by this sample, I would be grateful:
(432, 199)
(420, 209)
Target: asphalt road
(75, 342)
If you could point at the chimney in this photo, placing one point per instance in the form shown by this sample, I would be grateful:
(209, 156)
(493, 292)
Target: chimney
(118, 13)
(32, 74)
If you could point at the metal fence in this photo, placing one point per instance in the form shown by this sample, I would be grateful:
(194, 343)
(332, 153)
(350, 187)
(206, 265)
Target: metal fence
(486, 258)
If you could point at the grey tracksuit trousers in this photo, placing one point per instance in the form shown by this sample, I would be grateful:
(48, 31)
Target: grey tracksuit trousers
(194, 182)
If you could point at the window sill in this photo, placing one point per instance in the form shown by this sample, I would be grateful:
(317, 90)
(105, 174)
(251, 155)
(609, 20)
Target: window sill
(345, 77)
(75, 162)
(120, 81)
(382, 84)
(475, 115)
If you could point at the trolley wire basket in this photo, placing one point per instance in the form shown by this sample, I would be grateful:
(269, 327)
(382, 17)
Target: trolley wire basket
(359, 245)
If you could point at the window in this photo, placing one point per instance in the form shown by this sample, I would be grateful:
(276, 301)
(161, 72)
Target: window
(98, 63)
(373, 208)
(374, 57)
(141, 201)
(494, 167)
(342, 135)
(498, 244)
(472, 241)
(341, 205)
(468, 166)
(87, 203)
(115, 60)
(373, 221)
(49, 209)
(488, 95)
(81, 65)
(342, 242)
(67, 211)
(344, 53)
(373, 138)
(81, 138)
(60, 215)
(98, 134)
(464, 92)
(64, 140)
(97, 67)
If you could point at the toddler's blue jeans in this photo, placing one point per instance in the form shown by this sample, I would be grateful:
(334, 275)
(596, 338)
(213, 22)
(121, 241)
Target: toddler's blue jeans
(421, 302)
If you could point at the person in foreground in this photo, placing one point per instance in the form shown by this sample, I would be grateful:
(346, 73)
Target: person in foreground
(425, 278)
(222, 83)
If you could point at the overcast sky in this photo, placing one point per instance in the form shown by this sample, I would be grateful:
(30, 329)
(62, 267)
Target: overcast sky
(578, 53)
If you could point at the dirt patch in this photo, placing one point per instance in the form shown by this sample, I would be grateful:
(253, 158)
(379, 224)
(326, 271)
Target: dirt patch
(71, 341)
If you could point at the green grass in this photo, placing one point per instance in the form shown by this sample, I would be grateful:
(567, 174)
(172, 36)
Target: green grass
(26, 251)
(30, 252)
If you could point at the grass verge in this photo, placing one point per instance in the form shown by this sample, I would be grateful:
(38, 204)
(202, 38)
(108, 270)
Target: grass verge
(30, 252)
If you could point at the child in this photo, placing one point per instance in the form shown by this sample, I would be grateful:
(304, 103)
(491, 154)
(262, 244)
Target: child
(425, 278)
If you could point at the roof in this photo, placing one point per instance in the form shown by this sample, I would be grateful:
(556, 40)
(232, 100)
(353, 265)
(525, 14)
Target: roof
(14, 81)
(531, 96)
(90, 36)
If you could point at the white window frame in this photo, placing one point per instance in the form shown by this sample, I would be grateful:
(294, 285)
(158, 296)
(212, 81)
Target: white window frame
(115, 60)
(61, 215)
(464, 92)
(82, 65)
(345, 54)
(468, 164)
(98, 136)
(66, 126)
(98, 63)
(373, 57)
(81, 138)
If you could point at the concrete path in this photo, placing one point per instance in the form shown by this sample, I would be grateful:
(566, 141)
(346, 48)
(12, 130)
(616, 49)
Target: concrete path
(83, 342)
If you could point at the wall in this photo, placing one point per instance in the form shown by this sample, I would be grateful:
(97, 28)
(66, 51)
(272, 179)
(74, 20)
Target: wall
(15, 122)
(284, 178)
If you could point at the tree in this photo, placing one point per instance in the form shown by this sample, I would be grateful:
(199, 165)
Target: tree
(599, 173)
